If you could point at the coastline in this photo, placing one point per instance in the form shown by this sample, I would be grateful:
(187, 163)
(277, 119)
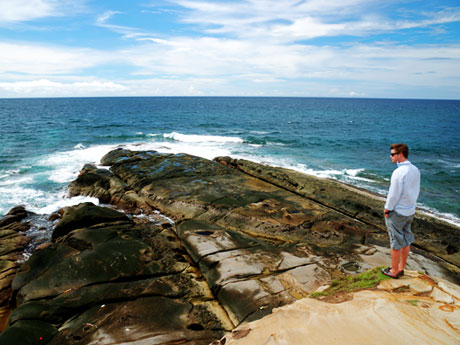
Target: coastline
(244, 239)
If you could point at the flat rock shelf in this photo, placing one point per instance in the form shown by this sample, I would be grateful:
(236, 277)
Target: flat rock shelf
(237, 240)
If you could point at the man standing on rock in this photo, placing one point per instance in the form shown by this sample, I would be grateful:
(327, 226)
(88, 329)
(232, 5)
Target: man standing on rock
(400, 209)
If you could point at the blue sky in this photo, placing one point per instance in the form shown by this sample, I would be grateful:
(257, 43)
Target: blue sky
(313, 48)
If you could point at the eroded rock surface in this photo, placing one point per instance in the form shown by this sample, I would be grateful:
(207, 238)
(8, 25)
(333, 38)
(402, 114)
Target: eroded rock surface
(113, 280)
(397, 313)
(240, 246)
(431, 234)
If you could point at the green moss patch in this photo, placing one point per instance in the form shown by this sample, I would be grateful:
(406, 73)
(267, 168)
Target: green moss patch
(413, 302)
(341, 287)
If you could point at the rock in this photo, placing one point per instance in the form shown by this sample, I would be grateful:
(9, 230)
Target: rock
(235, 248)
(421, 287)
(431, 234)
(452, 289)
(322, 288)
(15, 215)
(102, 281)
(30, 332)
(85, 215)
(250, 276)
(12, 244)
(442, 297)
(365, 319)
(54, 216)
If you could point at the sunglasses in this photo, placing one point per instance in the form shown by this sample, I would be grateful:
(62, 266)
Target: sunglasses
(394, 153)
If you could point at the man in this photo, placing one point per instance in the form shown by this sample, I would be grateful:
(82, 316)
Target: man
(400, 209)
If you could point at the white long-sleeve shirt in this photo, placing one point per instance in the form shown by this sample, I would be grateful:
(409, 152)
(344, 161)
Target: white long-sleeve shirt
(404, 189)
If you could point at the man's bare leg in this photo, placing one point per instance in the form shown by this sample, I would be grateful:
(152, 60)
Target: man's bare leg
(395, 260)
(404, 255)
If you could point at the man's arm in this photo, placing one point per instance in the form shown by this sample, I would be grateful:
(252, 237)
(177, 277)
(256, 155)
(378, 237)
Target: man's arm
(394, 193)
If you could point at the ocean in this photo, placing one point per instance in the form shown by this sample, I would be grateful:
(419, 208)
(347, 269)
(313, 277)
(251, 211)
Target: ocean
(45, 142)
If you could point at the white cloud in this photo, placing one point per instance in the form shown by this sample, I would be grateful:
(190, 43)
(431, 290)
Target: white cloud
(13, 11)
(231, 58)
(35, 59)
(240, 48)
(45, 87)
(292, 20)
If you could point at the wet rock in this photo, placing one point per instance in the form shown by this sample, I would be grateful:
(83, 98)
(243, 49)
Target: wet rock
(12, 245)
(124, 280)
(153, 320)
(85, 215)
(30, 332)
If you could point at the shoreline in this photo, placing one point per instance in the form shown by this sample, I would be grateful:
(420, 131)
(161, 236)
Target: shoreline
(245, 239)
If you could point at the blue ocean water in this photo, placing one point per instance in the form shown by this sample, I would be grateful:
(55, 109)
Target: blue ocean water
(45, 142)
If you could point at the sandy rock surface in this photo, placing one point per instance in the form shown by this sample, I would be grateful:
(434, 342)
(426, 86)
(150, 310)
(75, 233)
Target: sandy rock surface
(377, 317)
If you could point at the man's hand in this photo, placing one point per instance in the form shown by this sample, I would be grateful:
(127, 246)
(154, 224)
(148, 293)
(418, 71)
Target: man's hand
(387, 213)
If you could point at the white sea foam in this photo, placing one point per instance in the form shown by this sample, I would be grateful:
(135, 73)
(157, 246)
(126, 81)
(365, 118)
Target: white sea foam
(15, 180)
(60, 168)
(55, 203)
(259, 132)
(153, 218)
(35, 200)
(204, 150)
(65, 166)
(447, 217)
(193, 138)
(79, 146)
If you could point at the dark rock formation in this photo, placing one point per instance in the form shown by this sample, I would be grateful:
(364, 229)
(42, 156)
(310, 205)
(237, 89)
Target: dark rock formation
(245, 241)
(85, 215)
(116, 279)
(12, 244)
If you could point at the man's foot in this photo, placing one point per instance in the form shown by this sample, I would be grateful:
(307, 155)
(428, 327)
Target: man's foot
(387, 272)
(401, 273)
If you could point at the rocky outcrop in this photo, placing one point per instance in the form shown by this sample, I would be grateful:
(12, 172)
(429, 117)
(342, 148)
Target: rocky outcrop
(112, 280)
(412, 310)
(239, 246)
(12, 244)
(433, 235)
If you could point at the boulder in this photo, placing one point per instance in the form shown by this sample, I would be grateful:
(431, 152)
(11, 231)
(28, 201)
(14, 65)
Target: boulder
(84, 215)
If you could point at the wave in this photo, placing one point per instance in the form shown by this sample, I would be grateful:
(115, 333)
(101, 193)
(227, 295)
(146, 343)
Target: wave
(194, 138)
(447, 217)
(63, 167)
(42, 187)
(79, 146)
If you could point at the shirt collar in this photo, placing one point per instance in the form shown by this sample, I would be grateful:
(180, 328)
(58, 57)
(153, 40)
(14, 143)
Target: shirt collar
(406, 162)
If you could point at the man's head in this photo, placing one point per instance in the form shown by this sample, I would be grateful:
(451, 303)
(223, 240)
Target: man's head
(399, 152)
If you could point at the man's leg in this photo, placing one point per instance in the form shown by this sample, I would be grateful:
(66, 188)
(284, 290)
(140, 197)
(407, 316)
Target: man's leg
(404, 255)
(395, 260)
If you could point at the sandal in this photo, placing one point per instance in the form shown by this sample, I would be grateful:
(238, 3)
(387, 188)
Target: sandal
(387, 272)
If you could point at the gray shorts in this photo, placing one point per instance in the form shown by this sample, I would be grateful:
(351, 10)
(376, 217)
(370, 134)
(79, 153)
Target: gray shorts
(399, 230)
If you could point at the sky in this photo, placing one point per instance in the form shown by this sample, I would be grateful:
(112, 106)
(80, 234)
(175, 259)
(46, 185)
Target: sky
(312, 48)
